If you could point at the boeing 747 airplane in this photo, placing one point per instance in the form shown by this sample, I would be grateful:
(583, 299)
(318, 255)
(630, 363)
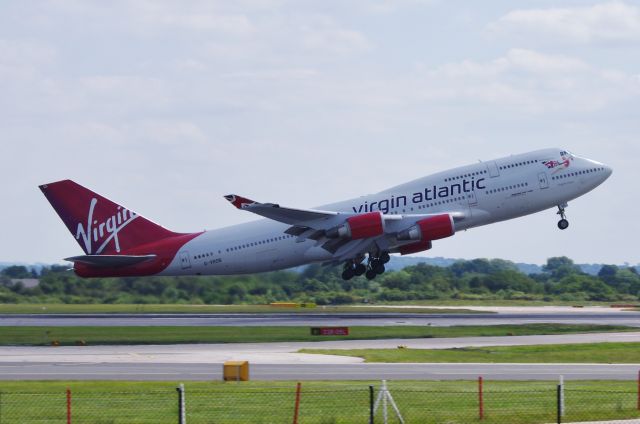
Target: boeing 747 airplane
(360, 233)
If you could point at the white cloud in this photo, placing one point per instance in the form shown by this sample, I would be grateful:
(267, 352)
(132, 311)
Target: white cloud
(25, 53)
(606, 22)
(335, 40)
(168, 132)
(275, 74)
(516, 59)
(536, 62)
(390, 6)
(531, 81)
(157, 16)
(21, 59)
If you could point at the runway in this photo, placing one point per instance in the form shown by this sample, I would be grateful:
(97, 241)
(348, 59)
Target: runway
(606, 316)
(281, 361)
(303, 372)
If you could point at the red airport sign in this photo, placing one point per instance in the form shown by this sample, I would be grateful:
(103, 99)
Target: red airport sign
(329, 331)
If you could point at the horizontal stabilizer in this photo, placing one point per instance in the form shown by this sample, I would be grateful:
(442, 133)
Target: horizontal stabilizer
(110, 261)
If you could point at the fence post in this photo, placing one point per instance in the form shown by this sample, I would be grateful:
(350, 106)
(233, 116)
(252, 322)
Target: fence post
(559, 401)
(182, 413)
(296, 409)
(68, 406)
(638, 390)
(480, 399)
(371, 411)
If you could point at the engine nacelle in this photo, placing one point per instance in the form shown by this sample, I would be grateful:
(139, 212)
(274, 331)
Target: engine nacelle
(358, 227)
(420, 246)
(428, 229)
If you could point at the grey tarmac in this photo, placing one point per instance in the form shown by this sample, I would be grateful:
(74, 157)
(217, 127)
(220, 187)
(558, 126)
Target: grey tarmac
(293, 372)
(321, 319)
(280, 361)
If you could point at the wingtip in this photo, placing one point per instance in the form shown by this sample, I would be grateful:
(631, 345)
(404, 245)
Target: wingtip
(239, 201)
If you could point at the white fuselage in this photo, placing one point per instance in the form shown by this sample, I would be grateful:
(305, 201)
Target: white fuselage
(483, 193)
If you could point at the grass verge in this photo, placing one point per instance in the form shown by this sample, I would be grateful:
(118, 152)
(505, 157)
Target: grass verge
(514, 402)
(502, 302)
(40, 336)
(593, 353)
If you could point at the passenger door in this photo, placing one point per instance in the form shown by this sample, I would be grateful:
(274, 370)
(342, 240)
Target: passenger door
(543, 180)
(185, 261)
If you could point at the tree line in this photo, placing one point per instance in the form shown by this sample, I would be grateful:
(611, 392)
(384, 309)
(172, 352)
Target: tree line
(467, 280)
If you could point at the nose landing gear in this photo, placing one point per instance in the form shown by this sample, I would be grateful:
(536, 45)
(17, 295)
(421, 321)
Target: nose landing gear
(563, 224)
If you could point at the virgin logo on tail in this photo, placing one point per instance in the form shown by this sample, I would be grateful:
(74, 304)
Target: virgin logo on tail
(95, 231)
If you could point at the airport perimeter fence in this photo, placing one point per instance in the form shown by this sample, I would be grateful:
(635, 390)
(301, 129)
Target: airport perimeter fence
(234, 403)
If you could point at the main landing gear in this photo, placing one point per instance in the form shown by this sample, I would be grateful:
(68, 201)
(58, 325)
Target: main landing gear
(563, 224)
(353, 269)
(375, 266)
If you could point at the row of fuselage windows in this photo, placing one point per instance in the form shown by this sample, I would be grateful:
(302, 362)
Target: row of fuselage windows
(243, 246)
(510, 187)
(476, 173)
(573, 174)
(515, 165)
(470, 174)
(258, 243)
(430, 205)
(205, 255)
(441, 202)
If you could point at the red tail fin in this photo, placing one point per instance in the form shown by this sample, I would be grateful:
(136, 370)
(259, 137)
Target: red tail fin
(99, 225)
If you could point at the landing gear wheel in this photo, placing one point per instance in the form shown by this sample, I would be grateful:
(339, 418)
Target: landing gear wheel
(563, 224)
(348, 273)
(377, 266)
(370, 274)
(360, 269)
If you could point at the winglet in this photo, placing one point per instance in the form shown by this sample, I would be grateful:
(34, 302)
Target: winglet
(239, 201)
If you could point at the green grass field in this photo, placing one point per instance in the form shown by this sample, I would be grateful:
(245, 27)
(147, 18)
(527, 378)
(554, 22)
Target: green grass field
(594, 353)
(508, 302)
(424, 307)
(175, 335)
(62, 308)
(513, 402)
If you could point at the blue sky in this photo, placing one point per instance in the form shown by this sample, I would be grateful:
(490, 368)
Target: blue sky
(167, 106)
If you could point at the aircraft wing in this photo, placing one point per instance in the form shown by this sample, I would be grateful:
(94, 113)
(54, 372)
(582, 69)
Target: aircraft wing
(344, 234)
(278, 213)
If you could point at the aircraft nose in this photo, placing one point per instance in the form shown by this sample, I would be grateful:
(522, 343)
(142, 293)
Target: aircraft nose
(608, 171)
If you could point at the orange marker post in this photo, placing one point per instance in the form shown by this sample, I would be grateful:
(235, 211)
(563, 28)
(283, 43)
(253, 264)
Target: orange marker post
(296, 410)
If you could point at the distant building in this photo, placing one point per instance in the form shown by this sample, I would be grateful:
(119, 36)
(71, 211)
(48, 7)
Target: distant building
(26, 282)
